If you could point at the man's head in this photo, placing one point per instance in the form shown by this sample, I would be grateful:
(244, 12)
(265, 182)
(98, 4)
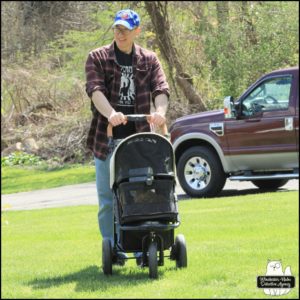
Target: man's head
(126, 28)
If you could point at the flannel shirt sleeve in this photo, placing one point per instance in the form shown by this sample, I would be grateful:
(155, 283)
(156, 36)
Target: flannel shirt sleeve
(95, 76)
(159, 83)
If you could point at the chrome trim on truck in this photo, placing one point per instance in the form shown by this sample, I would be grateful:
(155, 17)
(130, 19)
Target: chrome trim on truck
(217, 128)
(288, 124)
(258, 177)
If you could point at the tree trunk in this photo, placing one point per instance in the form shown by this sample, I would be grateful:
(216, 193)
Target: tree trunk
(246, 18)
(157, 11)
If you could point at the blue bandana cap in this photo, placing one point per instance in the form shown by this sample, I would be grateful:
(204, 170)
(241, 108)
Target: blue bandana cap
(128, 18)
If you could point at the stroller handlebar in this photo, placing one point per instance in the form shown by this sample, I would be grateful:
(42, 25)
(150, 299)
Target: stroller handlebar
(136, 118)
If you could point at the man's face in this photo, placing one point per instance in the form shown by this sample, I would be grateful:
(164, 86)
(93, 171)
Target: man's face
(125, 37)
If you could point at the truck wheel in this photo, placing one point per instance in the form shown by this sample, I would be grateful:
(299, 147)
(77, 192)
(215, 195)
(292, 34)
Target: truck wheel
(200, 172)
(270, 184)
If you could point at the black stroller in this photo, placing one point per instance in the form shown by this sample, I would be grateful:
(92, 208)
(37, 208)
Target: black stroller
(145, 204)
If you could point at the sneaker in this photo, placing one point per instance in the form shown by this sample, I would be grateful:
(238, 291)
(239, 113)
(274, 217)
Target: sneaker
(139, 259)
(119, 259)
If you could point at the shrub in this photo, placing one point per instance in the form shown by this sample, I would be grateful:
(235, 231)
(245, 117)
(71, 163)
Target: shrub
(20, 158)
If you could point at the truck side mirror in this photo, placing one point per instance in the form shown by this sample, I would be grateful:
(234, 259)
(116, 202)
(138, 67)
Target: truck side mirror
(229, 110)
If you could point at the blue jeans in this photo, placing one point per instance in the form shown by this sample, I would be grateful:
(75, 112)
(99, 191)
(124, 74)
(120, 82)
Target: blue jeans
(105, 198)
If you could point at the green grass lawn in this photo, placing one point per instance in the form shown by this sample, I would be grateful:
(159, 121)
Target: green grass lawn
(22, 179)
(56, 253)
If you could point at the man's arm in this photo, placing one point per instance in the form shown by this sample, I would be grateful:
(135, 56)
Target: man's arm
(95, 88)
(105, 109)
(161, 105)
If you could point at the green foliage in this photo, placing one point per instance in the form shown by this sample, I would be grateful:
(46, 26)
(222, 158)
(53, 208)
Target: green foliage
(222, 59)
(71, 49)
(20, 158)
(239, 61)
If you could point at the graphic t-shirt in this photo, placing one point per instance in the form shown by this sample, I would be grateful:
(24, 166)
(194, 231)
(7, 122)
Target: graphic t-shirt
(127, 94)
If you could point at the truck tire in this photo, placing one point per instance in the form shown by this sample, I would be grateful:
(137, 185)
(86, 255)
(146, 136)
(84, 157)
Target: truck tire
(200, 172)
(270, 184)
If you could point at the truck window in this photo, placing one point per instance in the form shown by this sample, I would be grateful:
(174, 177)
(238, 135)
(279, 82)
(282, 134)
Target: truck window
(272, 94)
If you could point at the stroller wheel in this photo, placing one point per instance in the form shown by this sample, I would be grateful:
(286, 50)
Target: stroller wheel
(180, 251)
(106, 257)
(153, 273)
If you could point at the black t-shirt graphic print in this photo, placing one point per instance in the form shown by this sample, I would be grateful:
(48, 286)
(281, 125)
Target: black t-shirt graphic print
(127, 92)
(126, 95)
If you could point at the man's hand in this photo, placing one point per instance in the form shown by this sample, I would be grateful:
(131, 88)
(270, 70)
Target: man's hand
(116, 118)
(157, 119)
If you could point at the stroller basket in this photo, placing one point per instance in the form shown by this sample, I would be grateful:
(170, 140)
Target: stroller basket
(141, 201)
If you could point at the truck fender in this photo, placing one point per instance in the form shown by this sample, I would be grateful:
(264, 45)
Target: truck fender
(208, 139)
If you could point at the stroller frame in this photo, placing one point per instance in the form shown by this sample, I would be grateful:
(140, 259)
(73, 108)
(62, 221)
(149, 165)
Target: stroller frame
(152, 234)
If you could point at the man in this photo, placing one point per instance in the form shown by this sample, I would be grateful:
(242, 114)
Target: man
(122, 78)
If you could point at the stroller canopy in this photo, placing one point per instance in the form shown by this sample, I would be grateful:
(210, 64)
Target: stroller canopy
(142, 150)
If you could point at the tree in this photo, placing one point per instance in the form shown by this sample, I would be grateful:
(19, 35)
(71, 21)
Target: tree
(158, 13)
(247, 20)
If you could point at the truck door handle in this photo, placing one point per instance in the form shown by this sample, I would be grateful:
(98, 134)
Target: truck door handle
(288, 124)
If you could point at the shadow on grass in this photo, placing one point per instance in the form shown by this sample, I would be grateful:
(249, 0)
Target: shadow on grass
(93, 279)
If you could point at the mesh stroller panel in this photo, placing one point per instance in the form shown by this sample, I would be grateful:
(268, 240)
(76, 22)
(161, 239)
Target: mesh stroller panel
(143, 151)
(140, 201)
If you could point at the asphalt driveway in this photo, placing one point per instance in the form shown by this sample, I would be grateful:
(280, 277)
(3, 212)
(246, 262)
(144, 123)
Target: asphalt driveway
(85, 194)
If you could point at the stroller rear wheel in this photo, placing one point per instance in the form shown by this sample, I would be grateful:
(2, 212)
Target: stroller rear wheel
(153, 272)
(106, 257)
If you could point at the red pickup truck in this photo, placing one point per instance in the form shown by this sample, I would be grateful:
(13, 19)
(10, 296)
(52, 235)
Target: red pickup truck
(254, 138)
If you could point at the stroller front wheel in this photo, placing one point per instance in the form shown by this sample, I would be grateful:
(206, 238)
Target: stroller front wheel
(153, 272)
(106, 257)
(180, 251)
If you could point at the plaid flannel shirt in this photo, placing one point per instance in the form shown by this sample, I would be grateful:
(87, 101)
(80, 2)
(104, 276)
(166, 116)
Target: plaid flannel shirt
(103, 73)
